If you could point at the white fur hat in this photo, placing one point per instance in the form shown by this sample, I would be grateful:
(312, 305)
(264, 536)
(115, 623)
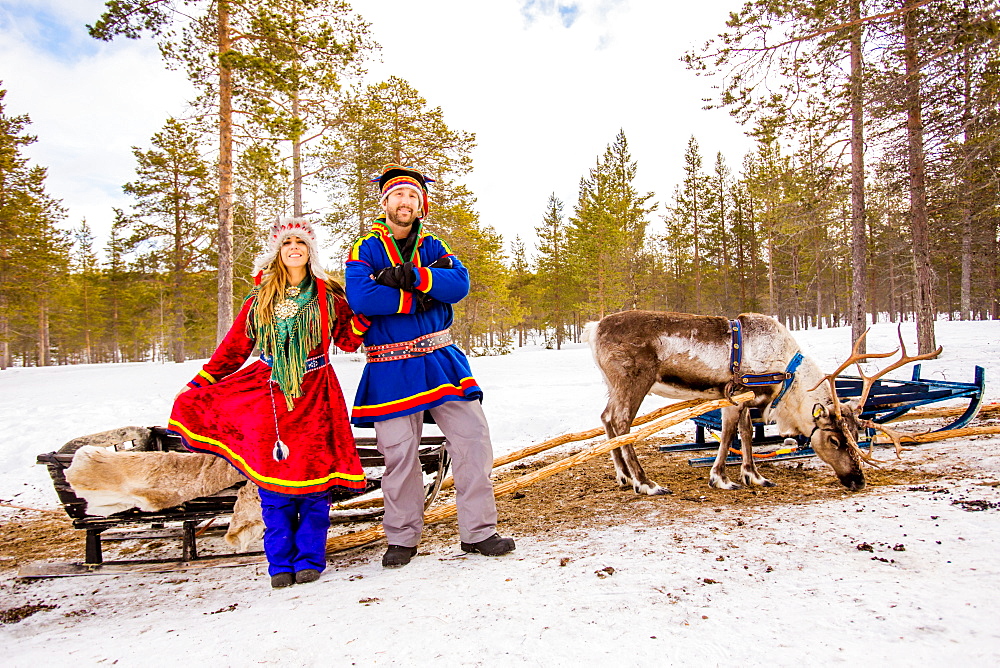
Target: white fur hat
(281, 230)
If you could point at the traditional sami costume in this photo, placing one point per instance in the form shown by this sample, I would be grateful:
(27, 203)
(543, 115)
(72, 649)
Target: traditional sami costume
(399, 384)
(412, 369)
(245, 415)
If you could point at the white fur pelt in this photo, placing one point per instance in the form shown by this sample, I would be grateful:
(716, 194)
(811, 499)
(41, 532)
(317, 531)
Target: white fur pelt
(113, 481)
(246, 525)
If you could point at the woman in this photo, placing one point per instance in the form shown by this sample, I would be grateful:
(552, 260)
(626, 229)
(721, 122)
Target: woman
(281, 420)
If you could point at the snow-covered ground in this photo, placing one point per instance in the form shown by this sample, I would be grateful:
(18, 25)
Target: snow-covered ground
(778, 588)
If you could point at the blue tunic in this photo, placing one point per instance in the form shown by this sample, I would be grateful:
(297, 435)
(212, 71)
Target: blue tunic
(388, 315)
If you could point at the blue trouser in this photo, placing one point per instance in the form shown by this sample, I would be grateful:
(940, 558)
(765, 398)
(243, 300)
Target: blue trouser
(295, 530)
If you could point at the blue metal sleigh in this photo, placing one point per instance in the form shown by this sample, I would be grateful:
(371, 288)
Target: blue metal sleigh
(887, 400)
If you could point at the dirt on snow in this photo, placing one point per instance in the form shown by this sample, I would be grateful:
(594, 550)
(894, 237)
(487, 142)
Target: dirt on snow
(585, 496)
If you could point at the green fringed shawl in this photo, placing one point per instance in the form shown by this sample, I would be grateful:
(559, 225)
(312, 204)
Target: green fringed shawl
(288, 341)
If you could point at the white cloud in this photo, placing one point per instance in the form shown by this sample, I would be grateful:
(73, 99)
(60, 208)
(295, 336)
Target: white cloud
(89, 104)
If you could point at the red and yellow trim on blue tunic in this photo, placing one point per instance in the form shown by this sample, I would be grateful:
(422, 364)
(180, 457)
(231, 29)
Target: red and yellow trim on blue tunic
(360, 324)
(203, 379)
(430, 396)
(355, 254)
(208, 445)
(425, 279)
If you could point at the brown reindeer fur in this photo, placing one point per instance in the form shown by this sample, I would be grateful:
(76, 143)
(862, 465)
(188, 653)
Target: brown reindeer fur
(685, 356)
(113, 481)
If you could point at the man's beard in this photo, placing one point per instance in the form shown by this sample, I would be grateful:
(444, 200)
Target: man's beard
(395, 221)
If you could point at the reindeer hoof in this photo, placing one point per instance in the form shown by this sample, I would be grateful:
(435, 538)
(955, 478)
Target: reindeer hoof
(722, 483)
(757, 480)
(651, 489)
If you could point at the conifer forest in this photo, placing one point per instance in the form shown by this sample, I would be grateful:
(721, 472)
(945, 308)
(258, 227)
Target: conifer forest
(872, 192)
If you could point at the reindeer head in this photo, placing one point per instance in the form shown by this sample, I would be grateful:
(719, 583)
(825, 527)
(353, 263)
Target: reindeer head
(835, 435)
(835, 440)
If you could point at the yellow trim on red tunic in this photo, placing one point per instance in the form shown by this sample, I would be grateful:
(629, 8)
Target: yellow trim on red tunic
(241, 463)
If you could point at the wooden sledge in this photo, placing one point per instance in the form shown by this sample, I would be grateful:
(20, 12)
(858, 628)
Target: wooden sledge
(658, 420)
(190, 519)
(888, 400)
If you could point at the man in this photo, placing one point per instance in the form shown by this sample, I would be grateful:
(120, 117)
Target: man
(402, 282)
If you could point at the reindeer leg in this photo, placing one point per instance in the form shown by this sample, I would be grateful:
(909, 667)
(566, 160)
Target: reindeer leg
(621, 469)
(640, 482)
(617, 418)
(748, 471)
(717, 478)
(616, 422)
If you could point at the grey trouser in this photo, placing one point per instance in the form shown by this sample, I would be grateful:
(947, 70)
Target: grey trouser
(468, 442)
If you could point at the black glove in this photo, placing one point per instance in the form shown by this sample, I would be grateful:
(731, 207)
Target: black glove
(400, 277)
(443, 262)
(424, 301)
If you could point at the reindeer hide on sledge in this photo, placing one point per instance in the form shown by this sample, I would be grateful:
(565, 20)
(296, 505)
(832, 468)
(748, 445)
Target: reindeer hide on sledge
(113, 481)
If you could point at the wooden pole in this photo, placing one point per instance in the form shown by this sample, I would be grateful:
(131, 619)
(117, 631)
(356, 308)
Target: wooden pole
(541, 447)
(440, 513)
(932, 436)
(988, 409)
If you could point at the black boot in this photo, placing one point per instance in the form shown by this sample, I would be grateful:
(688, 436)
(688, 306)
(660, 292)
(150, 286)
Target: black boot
(494, 546)
(306, 575)
(282, 580)
(398, 555)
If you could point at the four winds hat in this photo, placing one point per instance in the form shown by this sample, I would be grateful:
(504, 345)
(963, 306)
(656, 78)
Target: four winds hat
(398, 176)
(281, 230)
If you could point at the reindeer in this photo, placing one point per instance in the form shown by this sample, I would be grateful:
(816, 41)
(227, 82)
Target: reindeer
(684, 356)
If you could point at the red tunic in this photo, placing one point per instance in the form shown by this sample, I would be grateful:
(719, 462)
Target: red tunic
(231, 412)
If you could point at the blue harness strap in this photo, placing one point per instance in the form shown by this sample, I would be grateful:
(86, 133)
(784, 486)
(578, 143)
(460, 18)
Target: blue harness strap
(793, 364)
(736, 348)
(758, 379)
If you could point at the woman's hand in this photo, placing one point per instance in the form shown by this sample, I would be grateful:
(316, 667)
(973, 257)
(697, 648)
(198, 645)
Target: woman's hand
(183, 390)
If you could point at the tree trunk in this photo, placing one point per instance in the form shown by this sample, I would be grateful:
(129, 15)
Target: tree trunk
(43, 334)
(772, 307)
(697, 251)
(225, 241)
(296, 163)
(918, 190)
(859, 242)
(964, 192)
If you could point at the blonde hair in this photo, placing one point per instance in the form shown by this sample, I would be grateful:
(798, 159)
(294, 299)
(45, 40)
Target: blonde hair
(272, 290)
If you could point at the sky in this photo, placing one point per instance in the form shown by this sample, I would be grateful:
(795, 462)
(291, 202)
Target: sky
(544, 85)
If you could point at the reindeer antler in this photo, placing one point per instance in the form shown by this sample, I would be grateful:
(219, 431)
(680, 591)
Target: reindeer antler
(903, 360)
(855, 358)
(895, 436)
(866, 386)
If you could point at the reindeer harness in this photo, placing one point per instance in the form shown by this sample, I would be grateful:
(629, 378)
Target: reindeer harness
(741, 380)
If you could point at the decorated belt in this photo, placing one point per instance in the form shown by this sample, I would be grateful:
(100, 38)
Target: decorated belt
(406, 349)
(312, 363)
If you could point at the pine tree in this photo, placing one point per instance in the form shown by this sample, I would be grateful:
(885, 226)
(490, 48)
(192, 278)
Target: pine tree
(556, 287)
(607, 233)
(34, 253)
(86, 281)
(390, 122)
(693, 201)
(130, 19)
(523, 288)
(485, 318)
(261, 197)
(291, 59)
(173, 202)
